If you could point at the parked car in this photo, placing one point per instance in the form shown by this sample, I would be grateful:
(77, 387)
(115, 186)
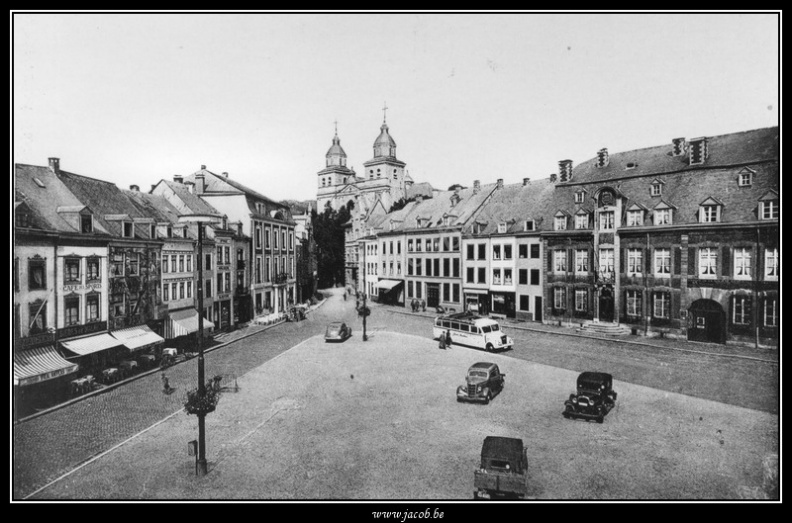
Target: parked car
(483, 381)
(337, 331)
(595, 397)
(503, 472)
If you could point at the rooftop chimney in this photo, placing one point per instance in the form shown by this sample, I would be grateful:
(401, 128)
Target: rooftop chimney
(134, 188)
(476, 186)
(526, 181)
(225, 174)
(699, 150)
(565, 170)
(602, 158)
(500, 183)
(54, 165)
(178, 178)
(679, 146)
(200, 181)
(203, 167)
(553, 177)
(190, 187)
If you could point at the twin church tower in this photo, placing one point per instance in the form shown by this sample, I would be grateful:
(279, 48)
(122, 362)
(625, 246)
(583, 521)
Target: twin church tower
(383, 176)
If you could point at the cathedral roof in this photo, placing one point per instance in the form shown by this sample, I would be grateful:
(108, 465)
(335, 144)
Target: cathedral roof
(336, 149)
(384, 138)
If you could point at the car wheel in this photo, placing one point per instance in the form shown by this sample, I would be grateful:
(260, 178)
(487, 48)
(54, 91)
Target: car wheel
(487, 398)
(601, 417)
(490, 348)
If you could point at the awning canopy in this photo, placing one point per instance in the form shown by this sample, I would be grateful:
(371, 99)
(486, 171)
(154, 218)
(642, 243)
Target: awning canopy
(388, 284)
(136, 338)
(91, 344)
(41, 364)
(184, 322)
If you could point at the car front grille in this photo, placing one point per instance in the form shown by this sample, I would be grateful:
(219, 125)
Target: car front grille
(504, 340)
(471, 390)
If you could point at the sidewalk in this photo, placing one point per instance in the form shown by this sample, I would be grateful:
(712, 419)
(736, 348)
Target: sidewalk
(252, 328)
(734, 351)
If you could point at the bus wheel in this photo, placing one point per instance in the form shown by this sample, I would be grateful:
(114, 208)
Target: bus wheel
(490, 348)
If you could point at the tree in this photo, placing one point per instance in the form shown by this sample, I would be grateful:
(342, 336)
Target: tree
(330, 244)
(400, 204)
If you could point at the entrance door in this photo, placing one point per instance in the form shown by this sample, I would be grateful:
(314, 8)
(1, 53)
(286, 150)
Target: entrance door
(537, 308)
(706, 322)
(432, 294)
(606, 304)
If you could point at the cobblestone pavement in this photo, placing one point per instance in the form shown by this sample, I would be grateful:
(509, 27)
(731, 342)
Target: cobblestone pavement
(745, 382)
(47, 446)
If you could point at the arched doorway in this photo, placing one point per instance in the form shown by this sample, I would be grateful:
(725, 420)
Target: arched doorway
(706, 322)
(606, 304)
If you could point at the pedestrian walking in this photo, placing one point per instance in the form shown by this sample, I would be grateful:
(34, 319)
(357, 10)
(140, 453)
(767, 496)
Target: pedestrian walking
(345, 295)
(166, 388)
(448, 339)
(423, 305)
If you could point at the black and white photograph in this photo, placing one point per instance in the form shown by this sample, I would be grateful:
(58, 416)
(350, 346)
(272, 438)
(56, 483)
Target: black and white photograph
(404, 262)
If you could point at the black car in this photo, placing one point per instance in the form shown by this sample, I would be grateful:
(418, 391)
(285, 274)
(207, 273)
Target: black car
(594, 399)
(483, 381)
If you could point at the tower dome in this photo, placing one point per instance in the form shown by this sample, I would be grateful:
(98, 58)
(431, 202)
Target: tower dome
(384, 145)
(336, 155)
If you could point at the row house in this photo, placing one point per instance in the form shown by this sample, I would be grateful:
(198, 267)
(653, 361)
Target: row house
(677, 240)
(502, 252)
(431, 234)
(271, 253)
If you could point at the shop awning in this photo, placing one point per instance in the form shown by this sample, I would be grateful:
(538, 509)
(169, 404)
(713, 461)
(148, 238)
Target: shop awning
(136, 338)
(91, 344)
(388, 284)
(181, 323)
(41, 364)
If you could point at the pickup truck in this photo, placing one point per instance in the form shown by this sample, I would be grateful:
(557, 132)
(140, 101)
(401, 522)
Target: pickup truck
(503, 472)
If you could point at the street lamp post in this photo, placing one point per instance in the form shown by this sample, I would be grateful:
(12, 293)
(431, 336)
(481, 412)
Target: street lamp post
(365, 290)
(201, 220)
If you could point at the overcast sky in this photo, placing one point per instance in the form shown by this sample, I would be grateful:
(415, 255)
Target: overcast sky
(134, 98)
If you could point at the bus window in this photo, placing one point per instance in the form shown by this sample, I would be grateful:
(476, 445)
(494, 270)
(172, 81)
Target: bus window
(437, 322)
(455, 325)
(486, 328)
(495, 327)
(475, 329)
(446, 324)
(465, 327)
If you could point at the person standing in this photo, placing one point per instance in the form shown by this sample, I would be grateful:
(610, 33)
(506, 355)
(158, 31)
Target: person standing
(165, 384)
(448, 339)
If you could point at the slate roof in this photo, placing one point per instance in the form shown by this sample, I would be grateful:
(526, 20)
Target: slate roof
(434, 209)
(43, 202)
(156, 207)
(424, 188)
(194, 203)
(717, 178)
(514, 204)
(104, 198)
(724, 150)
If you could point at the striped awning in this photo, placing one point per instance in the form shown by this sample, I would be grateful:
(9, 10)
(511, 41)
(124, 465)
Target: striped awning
(41, 364)
(136, 338)
(91, 344)
(183, 322)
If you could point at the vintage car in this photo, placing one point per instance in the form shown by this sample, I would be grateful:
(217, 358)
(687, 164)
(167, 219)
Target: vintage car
(337, 331)
(503, 472)
(483, 381)
(595, 397)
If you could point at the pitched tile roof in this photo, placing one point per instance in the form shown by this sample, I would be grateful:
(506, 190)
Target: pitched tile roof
(514, 204)
(193, 203)
(435, 209)
(45, 198)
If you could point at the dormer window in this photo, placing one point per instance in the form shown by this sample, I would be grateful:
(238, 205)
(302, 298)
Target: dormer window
(170, 232)
(86, 223)
(634, 218)
(630, 165)
(607, 220)
(22, 219)
(580, 196)
(656, 189)
(502, 228)
(582, 220)
(477, 228)
(663, 214)
(710, 211)
(529, 225)
(745, 178)
(127, 229)
(560, 222)
(768, 206)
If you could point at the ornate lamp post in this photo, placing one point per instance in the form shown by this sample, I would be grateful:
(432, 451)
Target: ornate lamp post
(202, 220)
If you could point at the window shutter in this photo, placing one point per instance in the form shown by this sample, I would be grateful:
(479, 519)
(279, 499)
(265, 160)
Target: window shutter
(640, 304)
(648, 261)
(621, 261)
(749, 310)
(730, 319)
(674, 299)
(677, 260)
(569, 260)
(691, 261)
(550, 254)
(726, 262)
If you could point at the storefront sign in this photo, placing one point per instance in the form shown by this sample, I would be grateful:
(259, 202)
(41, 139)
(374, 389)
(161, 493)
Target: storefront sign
(79, 287)
(79, 330)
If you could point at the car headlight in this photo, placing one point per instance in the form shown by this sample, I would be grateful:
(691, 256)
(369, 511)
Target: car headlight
(478, 388)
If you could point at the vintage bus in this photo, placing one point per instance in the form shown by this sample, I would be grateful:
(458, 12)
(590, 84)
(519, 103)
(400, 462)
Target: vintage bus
(472, 330)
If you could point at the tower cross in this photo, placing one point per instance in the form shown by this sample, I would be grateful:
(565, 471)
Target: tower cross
(336, 126)
(384, 109)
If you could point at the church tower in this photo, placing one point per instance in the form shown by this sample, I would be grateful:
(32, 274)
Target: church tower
(385, 173)
(335, 175)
